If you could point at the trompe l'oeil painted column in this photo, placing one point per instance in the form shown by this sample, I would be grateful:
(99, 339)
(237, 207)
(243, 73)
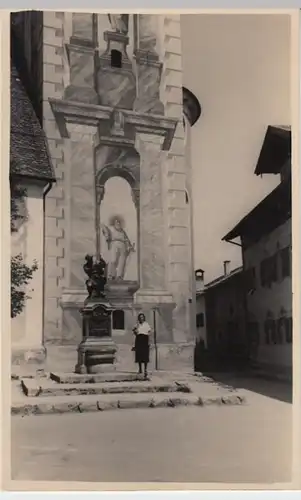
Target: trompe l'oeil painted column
(82, 237)
(153, 292)
(148, 65)
(81, 58)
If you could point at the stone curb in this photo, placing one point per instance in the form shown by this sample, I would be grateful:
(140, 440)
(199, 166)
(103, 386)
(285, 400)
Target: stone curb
(33, 388)
(44, 408)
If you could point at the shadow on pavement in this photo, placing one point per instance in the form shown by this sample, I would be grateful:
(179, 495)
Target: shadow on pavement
(282, 391)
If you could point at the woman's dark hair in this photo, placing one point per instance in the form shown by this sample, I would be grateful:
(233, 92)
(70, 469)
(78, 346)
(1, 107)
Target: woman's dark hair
(141, 314)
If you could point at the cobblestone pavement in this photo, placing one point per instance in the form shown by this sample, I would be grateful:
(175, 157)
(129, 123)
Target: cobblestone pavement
(231, 444)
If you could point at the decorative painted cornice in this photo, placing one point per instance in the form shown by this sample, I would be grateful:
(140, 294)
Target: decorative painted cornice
(104, 116)
(191, 106)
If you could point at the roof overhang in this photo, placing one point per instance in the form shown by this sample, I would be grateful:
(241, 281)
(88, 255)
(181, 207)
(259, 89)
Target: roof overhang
(275, 151)
(273, 210)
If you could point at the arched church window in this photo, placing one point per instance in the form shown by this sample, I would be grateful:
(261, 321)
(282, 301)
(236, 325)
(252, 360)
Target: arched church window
(118, 320)
(116, 58)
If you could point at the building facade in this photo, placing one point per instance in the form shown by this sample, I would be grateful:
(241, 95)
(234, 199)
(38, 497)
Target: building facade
(266, 240)
(201, 324)
(225, 316)
(110, 95)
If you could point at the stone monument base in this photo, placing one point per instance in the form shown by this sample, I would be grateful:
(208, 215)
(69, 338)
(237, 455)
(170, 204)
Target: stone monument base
(97, 350)
(120, 293)
(96, 355)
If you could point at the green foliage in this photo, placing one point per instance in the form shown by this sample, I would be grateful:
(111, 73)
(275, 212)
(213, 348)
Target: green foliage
(17, 198)
(21, 274)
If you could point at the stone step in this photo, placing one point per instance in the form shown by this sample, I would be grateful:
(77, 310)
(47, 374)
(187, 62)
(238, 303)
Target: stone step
(76, 378)
(48, 388)
(98, 403)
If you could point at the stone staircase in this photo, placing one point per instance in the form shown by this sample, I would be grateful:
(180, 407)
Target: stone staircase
(57, 393)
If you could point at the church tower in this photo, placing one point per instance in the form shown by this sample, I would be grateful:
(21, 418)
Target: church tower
(113, 118)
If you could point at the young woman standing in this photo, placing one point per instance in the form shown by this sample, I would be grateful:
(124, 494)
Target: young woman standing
(142, 332)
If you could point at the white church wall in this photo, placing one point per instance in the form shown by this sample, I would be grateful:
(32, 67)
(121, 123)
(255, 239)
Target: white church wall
(27, 328)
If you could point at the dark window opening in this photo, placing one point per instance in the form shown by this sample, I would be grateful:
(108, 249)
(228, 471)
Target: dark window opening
(200, 320)
(186, 198)
(118, 320)
(268, 271)
(116, 59)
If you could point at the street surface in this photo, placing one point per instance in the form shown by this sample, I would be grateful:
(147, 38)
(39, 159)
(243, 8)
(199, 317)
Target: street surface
(245, 444)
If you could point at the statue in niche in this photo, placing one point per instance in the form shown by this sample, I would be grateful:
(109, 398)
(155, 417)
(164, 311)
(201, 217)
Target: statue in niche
(95, 269)
(119, 246)
(119, 23)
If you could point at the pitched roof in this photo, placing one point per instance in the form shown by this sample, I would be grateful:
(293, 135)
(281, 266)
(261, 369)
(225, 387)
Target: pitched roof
(223, 278)
(28, 148)
(275, 151)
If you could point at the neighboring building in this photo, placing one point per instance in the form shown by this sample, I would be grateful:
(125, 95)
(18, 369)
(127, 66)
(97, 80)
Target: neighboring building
(30, 169)
(200, 306)
(225, 316)
(111, 103)
(266, 242)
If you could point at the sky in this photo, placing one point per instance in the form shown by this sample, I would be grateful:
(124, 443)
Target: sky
(238, 66)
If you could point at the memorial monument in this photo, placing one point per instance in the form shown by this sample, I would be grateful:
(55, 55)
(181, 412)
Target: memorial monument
(96, 351)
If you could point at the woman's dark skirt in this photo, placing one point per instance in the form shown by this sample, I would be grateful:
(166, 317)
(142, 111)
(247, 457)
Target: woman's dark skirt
(141, 349)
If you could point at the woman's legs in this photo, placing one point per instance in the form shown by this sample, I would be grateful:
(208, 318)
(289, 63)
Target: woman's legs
(140, 367)
(145, 369)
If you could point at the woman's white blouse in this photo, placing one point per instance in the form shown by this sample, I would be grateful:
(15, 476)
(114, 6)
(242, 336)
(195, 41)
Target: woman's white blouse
(143, 328)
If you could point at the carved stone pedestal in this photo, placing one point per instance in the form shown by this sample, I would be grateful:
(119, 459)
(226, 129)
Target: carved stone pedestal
(96, 352)
(120, 293)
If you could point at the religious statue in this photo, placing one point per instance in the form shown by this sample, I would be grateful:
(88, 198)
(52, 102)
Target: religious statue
(96, 272)
(119, 246)
(119, 23)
